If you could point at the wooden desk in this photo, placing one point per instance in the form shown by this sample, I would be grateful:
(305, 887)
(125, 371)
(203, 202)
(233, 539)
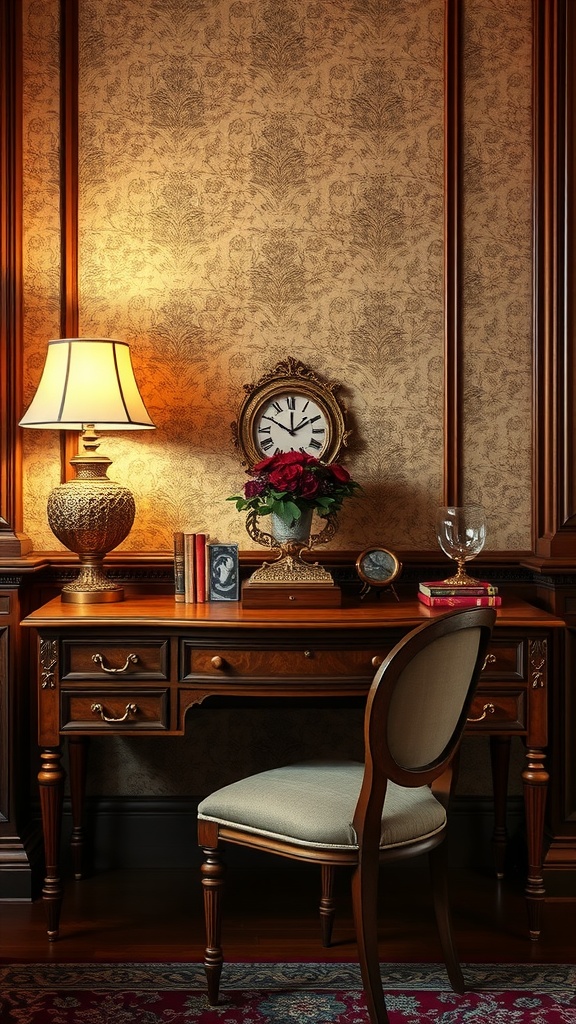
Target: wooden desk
(137, 667)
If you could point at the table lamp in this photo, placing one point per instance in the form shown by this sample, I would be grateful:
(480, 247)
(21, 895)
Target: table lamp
(89, 384)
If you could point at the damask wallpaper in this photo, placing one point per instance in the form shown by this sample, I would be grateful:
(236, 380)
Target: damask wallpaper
(260, 180)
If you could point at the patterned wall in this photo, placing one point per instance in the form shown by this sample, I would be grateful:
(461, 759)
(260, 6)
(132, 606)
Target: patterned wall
(261, 179)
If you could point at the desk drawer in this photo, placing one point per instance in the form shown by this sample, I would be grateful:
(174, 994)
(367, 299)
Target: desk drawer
(500, 710)
(111, 660)
(222, 662)
(113, 711)
(506, 659)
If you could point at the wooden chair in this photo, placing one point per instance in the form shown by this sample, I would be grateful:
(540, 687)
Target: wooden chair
(392, 806)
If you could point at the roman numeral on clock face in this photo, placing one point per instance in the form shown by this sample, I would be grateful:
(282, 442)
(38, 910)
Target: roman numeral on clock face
(266, 443)
(315, 444)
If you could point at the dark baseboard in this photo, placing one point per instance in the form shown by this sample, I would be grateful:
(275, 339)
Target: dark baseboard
(128, 832)
(160, 833)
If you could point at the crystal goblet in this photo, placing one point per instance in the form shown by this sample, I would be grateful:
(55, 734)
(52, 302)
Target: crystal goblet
(461, 533)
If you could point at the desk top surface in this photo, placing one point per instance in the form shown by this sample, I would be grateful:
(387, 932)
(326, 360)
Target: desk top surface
(162, 611)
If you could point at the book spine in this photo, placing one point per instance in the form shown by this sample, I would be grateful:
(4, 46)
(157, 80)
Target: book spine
(179, 587)
(432, 591)
(460, 602)
(200, 566)
(189, 568)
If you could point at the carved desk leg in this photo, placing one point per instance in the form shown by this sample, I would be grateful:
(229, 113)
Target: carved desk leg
(51, 785)
(535, 780)
(77, 753)
(500, 759)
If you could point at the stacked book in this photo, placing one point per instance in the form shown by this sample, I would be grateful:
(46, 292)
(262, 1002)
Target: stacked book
(441, 594)
(190, 570)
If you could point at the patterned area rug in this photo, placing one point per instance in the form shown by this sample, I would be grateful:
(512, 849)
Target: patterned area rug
(289, 993)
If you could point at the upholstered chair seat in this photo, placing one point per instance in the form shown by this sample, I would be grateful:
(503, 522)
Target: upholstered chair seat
(313, 803)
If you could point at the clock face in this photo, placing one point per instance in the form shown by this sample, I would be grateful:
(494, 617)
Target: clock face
(377, 566)
(290, 409)
(291, 421)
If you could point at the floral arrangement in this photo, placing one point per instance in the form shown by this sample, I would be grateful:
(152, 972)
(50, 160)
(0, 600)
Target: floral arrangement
(291, 483)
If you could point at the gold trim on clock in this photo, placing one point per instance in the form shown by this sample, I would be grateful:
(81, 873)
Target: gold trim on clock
(290, 408)
(377, 566)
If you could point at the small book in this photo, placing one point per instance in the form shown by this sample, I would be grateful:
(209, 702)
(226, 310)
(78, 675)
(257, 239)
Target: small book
(200, 566)
(460, 601)
(179, 588)
(440, 588)
(189, 568)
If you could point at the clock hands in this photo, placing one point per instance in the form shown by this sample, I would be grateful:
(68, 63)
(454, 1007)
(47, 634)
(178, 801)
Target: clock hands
(302, 424)
(306, 421)
(278, 424)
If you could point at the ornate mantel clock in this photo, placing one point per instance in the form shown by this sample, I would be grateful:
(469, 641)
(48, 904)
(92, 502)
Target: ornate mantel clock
(290, 409)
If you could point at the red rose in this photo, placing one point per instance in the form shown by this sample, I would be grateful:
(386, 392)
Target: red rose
(287, 477)
(252, 488)
(309, 485)
(339, 473)
(283, 459)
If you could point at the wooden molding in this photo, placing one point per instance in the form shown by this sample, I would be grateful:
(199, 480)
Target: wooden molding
(69, 303)
(12, 543)
(452, 249)
(554, 492)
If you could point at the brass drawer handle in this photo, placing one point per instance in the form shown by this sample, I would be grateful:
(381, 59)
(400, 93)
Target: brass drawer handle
(490, 659)
(377, 661)
(488, 709)
(131, 709)
(217, 662)
(98, 659)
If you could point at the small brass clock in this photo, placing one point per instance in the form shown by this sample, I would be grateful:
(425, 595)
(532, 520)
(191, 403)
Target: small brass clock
(378, 568)
(290, 409)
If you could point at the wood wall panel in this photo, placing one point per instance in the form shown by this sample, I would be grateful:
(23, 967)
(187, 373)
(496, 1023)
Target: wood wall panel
(554, 497)
(12, 543)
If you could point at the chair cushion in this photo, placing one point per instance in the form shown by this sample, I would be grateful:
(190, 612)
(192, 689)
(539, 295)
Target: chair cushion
(313, 804)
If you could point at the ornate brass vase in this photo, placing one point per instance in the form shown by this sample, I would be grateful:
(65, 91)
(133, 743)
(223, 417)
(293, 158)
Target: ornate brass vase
(291, 540)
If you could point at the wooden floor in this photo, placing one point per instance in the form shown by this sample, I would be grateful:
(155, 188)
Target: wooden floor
(150, 915)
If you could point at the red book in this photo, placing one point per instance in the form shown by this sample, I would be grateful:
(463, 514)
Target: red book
(200, 564)
(460, 601)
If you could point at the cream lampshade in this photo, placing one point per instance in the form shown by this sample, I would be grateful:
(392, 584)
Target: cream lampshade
(89, 384)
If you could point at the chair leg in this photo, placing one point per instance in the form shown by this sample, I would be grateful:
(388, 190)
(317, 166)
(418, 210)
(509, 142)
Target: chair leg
(364, 903)
(439, 875)
(212, 882)
(327, 903)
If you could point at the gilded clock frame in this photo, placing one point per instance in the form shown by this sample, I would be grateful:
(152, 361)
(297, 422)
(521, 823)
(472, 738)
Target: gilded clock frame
(290, 375)
(371, 581)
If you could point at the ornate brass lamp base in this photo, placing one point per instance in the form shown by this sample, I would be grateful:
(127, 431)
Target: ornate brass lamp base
(91, 515)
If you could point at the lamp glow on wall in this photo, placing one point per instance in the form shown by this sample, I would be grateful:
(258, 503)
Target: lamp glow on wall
(88, 384)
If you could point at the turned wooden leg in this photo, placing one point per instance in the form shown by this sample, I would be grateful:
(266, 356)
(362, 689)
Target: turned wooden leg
(535, 779)
(327, 903)
(77, 752)
(51, 785)
(364, 902)
(500, 758)
(439, 874)
(213, 881)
